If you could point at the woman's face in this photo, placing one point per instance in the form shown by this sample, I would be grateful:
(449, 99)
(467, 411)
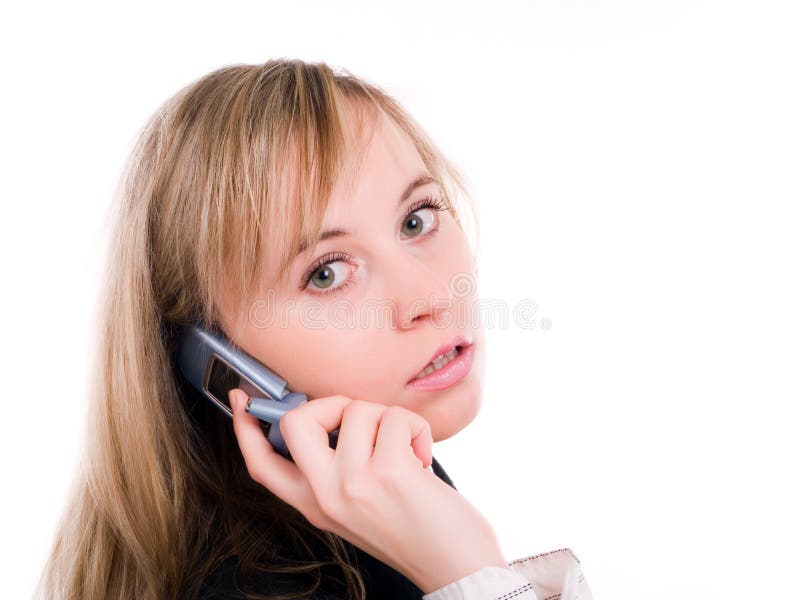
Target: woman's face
(367, 309)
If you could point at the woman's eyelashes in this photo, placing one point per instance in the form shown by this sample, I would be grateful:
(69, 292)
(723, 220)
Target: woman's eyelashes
(422, 217)
(331, 273)
(322, 276)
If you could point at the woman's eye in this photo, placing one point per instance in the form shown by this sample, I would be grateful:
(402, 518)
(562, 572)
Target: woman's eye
(329, 276)
(419, 221)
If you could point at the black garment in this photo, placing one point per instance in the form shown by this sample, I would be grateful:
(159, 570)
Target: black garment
(382, 582)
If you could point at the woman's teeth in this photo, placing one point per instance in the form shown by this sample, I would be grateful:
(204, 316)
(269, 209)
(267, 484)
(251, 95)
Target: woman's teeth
(437, 363)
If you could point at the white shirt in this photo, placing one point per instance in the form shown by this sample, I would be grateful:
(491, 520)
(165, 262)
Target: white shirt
(549, 576)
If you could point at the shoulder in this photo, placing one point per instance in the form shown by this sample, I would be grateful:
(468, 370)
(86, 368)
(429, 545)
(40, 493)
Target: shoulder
(223, 584)
(220, 584)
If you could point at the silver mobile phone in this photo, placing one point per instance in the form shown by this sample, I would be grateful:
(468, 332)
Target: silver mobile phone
(215, 365)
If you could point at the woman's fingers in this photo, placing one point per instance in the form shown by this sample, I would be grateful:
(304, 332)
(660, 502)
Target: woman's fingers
(400, 428)
(357, 434)
(366, 430)
(266, 466)
(305, 429)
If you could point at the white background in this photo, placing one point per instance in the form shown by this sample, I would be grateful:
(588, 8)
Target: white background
(636, 168)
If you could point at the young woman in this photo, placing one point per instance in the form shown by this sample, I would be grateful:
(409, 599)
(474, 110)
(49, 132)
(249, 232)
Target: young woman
(305, 215)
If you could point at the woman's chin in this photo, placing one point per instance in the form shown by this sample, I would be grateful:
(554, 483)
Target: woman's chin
(451, 410)
(451, 413)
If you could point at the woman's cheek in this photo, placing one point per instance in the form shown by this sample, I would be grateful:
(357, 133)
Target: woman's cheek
(338, 365)
(455, 254)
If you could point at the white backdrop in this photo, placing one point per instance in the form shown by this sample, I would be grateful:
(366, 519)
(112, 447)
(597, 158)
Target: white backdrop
(636, 169)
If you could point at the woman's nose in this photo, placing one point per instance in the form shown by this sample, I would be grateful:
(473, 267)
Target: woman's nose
(418, 293)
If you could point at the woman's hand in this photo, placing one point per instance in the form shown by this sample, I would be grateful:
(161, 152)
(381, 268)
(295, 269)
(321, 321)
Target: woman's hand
(373, 490)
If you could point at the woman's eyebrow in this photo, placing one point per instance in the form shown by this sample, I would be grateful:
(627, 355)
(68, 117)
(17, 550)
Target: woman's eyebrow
(421, 180)
(418, 182)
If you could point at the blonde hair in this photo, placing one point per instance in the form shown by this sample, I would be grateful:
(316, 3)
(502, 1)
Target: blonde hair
(162, 496)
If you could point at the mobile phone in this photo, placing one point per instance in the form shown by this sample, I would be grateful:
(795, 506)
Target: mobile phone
(214, 365)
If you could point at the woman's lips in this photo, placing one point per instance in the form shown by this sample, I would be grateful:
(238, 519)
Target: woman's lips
(450, 374)
(459, 340)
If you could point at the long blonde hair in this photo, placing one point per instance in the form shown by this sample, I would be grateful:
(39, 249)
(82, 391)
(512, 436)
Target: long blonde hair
(162, 496)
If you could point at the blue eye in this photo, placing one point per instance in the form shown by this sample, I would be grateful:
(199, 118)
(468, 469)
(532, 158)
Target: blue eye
(421, 218)
(324, 276)
(328, 274)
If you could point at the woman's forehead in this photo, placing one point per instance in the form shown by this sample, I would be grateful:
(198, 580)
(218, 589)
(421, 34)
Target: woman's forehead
(375, 159)
(376, 170)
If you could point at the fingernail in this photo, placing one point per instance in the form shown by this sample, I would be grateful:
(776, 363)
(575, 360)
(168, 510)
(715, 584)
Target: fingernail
(234, 398)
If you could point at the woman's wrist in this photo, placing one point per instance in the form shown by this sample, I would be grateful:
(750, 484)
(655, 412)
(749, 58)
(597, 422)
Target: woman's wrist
(442, 575)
